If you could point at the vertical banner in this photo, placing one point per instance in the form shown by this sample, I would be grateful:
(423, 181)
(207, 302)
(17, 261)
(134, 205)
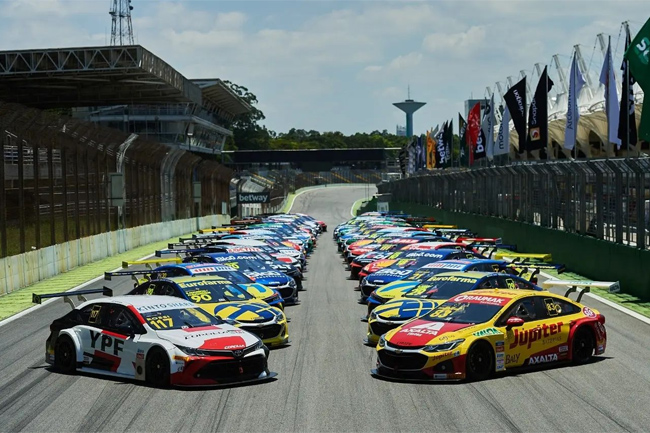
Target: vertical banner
(473, 129)
(638, 56)
(440, 147)
(576, 82)
(486, 135)
(608, 79)
(463, 154)
(449, 142)
(431, 151)
(403, 158)
(515, 99)
(538, 114)
(502, 144)
(627, 112)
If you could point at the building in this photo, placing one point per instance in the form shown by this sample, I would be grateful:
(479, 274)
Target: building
(400, 131)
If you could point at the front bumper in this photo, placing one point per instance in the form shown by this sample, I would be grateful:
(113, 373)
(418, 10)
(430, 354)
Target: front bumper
(416, 365)
(273, 335)
(217, 370)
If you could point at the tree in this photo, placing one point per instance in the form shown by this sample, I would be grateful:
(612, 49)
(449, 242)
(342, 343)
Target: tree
(248, 134)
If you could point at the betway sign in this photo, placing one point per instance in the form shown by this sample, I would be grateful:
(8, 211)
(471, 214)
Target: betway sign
(253, 197)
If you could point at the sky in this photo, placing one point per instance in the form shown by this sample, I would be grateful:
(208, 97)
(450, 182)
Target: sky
(339, 65)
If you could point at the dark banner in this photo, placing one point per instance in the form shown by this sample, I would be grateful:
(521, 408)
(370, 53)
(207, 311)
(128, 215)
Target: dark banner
(515, 99)
(462, 135)
(253, 197)
(627, 115)
(449, 142)
(538, 115)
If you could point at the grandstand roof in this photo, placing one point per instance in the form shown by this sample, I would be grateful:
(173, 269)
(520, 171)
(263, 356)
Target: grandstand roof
(103, 76)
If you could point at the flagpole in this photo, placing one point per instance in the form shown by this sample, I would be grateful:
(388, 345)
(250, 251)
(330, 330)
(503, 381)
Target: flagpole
(627, 97)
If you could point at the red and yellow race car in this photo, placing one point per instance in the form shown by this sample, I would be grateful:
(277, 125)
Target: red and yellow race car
(476, 334)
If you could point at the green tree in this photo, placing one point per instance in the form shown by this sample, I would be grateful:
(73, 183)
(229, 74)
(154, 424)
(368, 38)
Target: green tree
(248, 134)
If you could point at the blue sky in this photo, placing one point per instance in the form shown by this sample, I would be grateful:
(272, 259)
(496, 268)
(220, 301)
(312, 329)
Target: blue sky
(339, 65)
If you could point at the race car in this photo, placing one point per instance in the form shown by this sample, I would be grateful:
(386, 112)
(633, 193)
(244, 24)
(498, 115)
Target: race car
(476, 334)
(385, 293)
(424, 297)
(254, 268)
(227, 301)
(256, 289)
(158, 339)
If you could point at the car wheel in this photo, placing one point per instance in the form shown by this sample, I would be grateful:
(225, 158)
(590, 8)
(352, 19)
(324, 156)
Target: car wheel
(479, 363)
(65, 355)
(583, 345)
(157, 368)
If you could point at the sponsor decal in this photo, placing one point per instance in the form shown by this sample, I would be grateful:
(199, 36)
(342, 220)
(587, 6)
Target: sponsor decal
(393, 272)
(247, 198)
(488, 331)
(541, 359)
(588, 312)
(166, 306)
(420, 254)
(563, 349)
(431, 328)
(527, 337)
(437, 265)
(480, 299)
(203, 269)
(453, 279)
(456, 353)
(439, 376)
(600, 330)
(512, 359)
(107, 343)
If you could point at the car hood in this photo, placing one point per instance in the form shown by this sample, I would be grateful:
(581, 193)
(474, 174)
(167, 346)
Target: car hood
(249, 312)
(406, 309)
(418, 333)
(269, 278)
(214, 337)
(396, 288)
(385, 276)
(259, 290)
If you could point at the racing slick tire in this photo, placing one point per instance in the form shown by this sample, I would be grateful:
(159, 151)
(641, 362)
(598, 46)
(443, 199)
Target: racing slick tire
(157, 368)
(479, 363)
(65, 355)
(583, 345)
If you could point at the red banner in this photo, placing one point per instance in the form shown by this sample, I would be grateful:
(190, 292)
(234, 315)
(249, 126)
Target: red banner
(473, 128)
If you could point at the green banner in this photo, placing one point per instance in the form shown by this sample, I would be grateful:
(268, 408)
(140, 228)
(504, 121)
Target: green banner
(638, 56)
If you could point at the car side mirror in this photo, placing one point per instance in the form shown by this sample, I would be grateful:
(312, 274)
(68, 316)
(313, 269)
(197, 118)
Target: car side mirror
(514, 321)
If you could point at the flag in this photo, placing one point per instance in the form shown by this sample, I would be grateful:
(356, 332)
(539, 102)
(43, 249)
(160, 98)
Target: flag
(423, 152)
(449, 140)
(473, 128)
(608, 79)
(576, 82)
(411, 155)
(418, 153)
(638, 57)
(627, 110)
(403, 158)
(502, 144)
(515, 99)
(431, 151)
(462, 135)
(537, 137)
(487, 129)
(441, 147)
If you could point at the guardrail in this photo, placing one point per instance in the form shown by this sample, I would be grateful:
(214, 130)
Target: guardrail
(606, 199)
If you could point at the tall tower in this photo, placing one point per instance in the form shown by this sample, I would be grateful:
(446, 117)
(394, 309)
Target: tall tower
(121, 26)
(409, 106)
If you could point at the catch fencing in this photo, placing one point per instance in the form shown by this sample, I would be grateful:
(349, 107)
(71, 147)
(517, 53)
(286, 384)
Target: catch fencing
(607, 199)
(56, 171)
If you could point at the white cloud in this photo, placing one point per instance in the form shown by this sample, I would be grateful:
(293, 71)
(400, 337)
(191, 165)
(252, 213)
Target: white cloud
(461, 44)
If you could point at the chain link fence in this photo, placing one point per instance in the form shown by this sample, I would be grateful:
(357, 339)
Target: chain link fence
(608, 199)
(56, 170)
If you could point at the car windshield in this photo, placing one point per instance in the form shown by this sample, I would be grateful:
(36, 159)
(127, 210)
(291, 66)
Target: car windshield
(209, 292)
(441, 287)
(179, 318)
(234, 277)
(463, 312)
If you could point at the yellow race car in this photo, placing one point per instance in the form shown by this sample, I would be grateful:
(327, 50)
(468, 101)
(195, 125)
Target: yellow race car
(227, 301)
(476, 334)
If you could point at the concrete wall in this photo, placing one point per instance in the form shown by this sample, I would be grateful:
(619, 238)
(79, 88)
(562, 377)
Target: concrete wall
(585, 255)
(25, 269)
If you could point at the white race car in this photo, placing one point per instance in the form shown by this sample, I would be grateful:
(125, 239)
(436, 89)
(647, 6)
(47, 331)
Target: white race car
(159, 339)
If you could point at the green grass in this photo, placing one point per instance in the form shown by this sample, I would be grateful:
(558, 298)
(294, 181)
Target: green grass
(358, 204)
(20, 300)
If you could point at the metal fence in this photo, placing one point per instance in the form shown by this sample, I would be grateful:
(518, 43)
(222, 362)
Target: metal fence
(55, 172)
(607, 199)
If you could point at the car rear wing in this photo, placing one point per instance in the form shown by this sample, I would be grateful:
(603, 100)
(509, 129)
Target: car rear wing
(133, 274)
(149, 263)
(582, 287)
(187, 251)
(37, 299)
(439, 226)
(528, 273)
(516, 257)
(215, 229)
(475, 240)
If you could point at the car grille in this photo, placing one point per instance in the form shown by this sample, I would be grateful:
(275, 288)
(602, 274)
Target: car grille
(233, 370)
(379, 328)
(402, 361)
(263, 332)
(367, 290)
(285, 292)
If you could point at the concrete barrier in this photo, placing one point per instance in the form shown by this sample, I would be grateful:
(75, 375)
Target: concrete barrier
(25, 269)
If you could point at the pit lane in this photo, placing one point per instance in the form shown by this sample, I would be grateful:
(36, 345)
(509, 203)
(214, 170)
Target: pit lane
(324, 381)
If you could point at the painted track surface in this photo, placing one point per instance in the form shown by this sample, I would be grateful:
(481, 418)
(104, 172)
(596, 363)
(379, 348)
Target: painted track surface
(323, 379)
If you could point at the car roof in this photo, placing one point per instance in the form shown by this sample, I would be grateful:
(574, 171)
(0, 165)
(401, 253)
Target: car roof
(193, 278)
(470, 274)
(509, 293)
(145, 303)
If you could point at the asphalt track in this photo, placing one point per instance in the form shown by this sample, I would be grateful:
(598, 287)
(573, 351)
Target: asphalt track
(323, 381)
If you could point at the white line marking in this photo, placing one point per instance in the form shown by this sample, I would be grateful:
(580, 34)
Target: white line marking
(49, 301)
